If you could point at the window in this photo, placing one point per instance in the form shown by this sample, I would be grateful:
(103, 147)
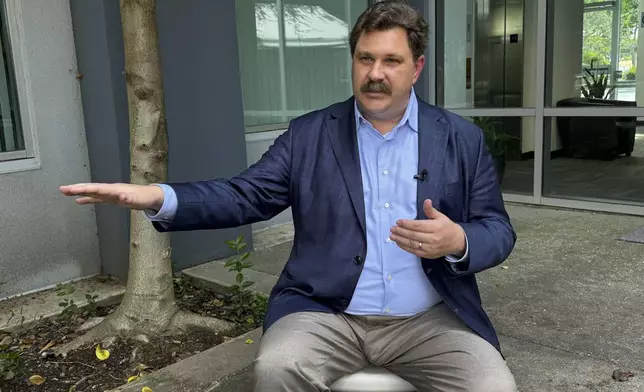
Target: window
(593, 53)
(294, 57)
(485, 53)
(12, 142)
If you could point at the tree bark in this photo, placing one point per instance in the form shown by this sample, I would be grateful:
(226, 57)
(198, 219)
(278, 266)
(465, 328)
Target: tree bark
(148, 305)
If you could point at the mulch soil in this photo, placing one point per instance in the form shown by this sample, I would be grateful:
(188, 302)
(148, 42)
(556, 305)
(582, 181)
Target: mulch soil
(81, 370)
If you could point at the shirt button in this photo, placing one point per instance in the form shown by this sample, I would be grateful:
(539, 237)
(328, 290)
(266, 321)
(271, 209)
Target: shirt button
(386, 205)
(385, 172)
(358, 260)
(388, 239)
(387, 310)
(389, 277)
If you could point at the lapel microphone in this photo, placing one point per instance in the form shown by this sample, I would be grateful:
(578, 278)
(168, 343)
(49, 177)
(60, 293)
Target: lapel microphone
(422, 176)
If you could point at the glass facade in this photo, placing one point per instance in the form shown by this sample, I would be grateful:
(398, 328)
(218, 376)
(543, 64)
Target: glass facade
(556, 83)
(596, 159)
(561, 80)
(294, 56)
(484, 54)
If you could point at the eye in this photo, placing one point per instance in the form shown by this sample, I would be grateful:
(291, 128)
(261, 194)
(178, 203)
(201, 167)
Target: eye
(364, 58)
(392, 61)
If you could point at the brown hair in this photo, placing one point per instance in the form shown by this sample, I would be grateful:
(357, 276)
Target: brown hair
(389, 14)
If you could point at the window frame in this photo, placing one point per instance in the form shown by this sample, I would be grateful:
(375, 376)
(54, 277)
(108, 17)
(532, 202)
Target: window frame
(11, 20)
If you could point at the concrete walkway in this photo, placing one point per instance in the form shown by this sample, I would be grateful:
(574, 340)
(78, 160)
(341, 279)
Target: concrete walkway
(569, 308)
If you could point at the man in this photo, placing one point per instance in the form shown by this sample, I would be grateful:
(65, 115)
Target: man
(395, 205)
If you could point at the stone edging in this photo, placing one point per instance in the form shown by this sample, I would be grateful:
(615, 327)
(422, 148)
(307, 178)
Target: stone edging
(206, 371)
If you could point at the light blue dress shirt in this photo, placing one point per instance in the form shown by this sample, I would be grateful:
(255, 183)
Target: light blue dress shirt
(392, 282)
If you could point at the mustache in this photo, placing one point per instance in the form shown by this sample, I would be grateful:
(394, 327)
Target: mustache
(375, 87)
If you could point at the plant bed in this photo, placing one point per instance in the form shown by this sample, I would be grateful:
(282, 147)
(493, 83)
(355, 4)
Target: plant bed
(22, 355)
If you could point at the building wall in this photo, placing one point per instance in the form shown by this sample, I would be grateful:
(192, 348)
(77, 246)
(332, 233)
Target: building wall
(45, 238)
(199, 56)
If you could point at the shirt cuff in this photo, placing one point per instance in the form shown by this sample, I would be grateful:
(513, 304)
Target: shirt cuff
(169, 208)
(456, 259)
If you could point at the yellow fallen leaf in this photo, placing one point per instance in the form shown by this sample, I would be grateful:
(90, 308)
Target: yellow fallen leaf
(36, 379)
(101, 354)
(249, 341)
(504, 267)
(141, 367)
(48, 346)
(218, 302)
(146, 389)
(133, 378)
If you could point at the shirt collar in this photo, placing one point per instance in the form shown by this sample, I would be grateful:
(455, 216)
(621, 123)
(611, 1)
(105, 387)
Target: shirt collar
(410, 116)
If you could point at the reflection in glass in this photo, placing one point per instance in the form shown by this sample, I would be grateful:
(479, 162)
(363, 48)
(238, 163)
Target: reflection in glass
(507, 138)
(294, 56)
(485, 53)
(595, 158)
(11, 133)
(593, 51)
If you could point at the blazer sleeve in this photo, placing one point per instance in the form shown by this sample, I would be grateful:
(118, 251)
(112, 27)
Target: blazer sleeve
(490, 234)
(258, 193)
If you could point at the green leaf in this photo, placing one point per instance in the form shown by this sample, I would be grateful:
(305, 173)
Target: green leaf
(247, 284)
(230, 263)
(245, 256)
(247, 265)
(234, 287)
(240, 278)
(240, 238)
(63, 304)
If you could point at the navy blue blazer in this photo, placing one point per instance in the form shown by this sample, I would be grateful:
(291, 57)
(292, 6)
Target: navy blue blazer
(314, 168)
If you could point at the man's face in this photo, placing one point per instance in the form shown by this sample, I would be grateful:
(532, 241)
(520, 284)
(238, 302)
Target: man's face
(384, 72)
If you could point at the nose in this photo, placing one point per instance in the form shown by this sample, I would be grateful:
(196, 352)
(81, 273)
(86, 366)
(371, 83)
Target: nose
(376, 73)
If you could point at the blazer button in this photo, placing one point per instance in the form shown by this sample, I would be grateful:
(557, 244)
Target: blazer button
(358, 260)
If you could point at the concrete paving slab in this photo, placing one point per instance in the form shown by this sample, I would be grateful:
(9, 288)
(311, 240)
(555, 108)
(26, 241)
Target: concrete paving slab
(271, 260)
(21, 312)
(272, 236)
(216, 276)
(544, 369)
(570, 284)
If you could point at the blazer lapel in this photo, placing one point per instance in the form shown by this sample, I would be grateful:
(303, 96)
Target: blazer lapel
(432, 144)
(341, 129)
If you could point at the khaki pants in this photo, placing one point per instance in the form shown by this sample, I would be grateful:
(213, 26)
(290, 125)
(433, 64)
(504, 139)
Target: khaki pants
(435, 351)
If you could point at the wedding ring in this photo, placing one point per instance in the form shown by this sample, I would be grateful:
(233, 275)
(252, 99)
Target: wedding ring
(420, 245)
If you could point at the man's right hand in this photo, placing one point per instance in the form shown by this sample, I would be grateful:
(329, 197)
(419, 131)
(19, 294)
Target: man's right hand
(135, 197)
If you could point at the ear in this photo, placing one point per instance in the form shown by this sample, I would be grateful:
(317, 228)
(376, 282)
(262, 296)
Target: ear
(418, 66)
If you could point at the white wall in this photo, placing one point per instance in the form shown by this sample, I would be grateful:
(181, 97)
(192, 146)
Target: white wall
(256, 145)
(566, 57)
(45, 238)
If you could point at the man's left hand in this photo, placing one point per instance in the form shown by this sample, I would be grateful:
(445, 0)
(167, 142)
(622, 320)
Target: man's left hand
(431, 238)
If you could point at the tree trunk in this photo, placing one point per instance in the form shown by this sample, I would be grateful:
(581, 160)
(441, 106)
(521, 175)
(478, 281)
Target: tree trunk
(148, 306)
